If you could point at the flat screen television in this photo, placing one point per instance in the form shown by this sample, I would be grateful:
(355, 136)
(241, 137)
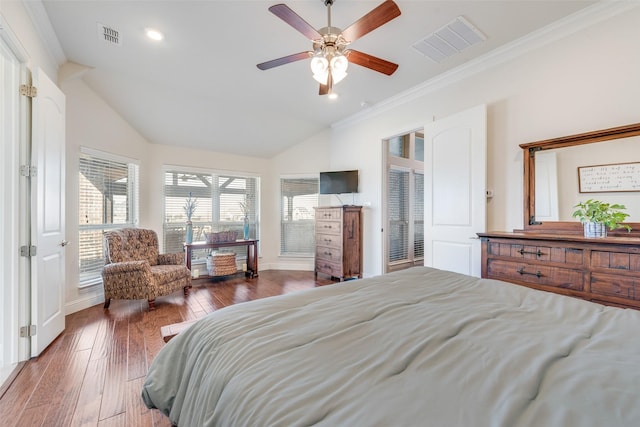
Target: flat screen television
(339, 182)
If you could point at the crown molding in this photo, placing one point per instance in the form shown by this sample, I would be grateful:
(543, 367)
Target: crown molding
(600, 11)
(38, 14)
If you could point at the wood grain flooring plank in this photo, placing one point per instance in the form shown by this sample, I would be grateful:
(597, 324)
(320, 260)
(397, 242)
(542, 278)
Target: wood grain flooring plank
(136, 358)
(34, 416)
(119, 420)
(56, 372)
(104, 338)
(62, 404)
(137, 412)
(90, 399)
(113, 398)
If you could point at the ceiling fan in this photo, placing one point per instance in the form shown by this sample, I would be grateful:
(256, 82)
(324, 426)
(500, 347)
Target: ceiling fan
(331, 56)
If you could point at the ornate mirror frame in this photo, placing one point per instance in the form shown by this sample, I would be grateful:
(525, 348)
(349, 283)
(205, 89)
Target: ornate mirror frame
(529, 194)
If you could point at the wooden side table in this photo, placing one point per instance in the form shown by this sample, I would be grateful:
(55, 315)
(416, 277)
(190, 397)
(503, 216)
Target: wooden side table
(252, 252)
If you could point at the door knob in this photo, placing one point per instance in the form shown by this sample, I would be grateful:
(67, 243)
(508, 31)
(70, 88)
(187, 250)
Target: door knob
(64, 243)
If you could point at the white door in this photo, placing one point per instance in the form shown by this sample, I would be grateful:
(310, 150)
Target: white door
(455, 190)
(47, 212)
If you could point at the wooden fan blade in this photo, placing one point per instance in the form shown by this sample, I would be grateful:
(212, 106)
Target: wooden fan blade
(382, 14)
(326, 89)
(284, 60)
(372, 62)
(285, 13)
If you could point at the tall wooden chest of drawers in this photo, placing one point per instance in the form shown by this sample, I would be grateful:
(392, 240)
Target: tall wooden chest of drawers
(339, 241)
(600, 270)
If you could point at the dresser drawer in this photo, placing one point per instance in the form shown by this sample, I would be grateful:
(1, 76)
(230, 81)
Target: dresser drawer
(328, 213)
(535, 274)
(325, 253)
(328, 227)
(327, 267)
(615, 260)
(329, 240)
(561, 255)
(615, 285)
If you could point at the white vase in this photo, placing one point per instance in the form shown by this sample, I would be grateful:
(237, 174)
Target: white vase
(595, 230)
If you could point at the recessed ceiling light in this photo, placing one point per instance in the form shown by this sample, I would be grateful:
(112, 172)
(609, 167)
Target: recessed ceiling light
(154, 34)
(333, 95)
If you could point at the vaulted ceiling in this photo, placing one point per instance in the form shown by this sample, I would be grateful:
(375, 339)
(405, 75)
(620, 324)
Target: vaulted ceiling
(199, 87)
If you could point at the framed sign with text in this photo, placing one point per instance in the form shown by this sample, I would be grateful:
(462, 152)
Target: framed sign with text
(609, 178)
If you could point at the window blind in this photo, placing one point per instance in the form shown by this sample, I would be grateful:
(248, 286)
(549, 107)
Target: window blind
(398, 214)
(107, 199)
(298, 198)
(418, 215)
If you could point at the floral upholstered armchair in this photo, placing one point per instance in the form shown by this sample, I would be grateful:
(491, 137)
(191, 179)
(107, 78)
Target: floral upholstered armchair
(134, 268)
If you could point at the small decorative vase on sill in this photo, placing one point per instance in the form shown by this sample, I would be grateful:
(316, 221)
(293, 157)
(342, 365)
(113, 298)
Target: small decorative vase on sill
(188, 238)
(190, 206)
(245, 229)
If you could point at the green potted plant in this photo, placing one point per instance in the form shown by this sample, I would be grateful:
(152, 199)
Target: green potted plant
(597, 216)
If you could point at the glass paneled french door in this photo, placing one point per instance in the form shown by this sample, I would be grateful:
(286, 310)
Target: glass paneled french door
(404, 231)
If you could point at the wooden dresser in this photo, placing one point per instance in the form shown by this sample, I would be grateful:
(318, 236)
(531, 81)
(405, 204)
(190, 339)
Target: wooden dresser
(600, 270)
(339, 241)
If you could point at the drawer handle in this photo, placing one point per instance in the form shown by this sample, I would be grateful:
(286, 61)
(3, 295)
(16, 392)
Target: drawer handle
(327, 226)
(522, 252)
(537, 273)
(327, 253)
(328, 240)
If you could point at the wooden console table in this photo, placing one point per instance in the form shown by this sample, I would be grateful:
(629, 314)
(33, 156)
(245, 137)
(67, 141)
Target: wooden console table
(252, 252)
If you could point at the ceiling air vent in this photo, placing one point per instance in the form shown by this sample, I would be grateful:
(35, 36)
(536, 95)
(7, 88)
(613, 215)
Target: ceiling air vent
(449, 40)
(109, 35)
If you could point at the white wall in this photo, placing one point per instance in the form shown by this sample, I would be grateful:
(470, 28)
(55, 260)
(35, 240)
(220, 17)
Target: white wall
(582, 82)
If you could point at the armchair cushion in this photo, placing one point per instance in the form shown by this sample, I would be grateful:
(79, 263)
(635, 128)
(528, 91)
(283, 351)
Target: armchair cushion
(132, 244)
(171, 259)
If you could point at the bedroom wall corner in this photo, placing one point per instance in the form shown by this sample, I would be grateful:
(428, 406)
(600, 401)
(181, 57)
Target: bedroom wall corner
(310, 156)
(92, 123)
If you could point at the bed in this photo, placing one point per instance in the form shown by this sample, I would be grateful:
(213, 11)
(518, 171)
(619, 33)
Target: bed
(419, 347)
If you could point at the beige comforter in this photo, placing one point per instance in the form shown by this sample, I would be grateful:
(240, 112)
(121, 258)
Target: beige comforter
(421, 347)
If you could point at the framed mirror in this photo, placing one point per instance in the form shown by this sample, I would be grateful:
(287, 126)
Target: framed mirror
(552, 165)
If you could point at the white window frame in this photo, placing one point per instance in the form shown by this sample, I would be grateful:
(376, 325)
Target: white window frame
(93, 276)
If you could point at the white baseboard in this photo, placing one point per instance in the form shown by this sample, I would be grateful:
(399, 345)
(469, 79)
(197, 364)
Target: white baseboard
(81, 304)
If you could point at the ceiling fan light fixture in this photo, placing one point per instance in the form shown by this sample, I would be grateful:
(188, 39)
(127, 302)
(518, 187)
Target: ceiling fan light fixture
(320, 68)
(339, 63)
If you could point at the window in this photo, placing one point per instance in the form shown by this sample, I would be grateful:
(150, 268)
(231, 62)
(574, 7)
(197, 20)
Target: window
(108, 199)
(219, 197)
(298, 195)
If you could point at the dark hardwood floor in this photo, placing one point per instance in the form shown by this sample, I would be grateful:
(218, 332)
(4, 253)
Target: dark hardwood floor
(92, 374)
